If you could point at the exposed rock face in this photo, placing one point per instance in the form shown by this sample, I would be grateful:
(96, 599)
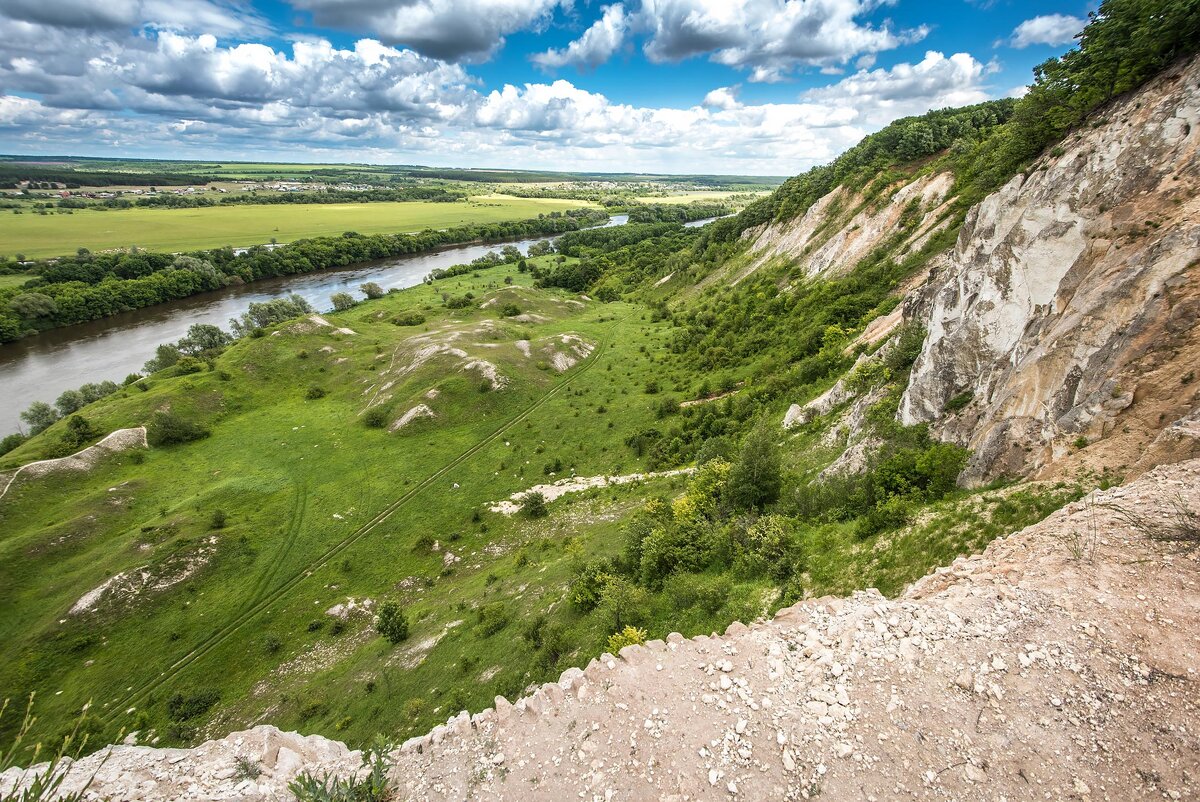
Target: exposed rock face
(1068, 307)
(1063, 660)
(251, 766)
(843, 227)
(120, 440)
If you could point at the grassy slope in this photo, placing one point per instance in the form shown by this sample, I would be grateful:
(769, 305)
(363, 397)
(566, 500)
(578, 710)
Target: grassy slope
(37, 235)
(282, 487)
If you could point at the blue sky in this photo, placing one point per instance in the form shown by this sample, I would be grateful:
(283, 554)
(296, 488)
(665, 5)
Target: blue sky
(726, 86)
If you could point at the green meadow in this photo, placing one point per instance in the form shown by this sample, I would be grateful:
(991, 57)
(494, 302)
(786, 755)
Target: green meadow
(48, 235)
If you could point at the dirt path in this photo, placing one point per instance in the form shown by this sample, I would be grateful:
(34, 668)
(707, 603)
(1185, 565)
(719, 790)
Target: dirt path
(578, 484)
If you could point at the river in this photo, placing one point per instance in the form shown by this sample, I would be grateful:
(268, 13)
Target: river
(38, 368)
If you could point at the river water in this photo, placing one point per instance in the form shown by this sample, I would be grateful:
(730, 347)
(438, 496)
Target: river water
(38, 368)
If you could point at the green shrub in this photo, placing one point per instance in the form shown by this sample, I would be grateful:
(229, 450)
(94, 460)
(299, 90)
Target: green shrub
(218, 520)
(959, 401)
(11, 441)
(629, 636)
(391, 622)
(187, 706)
(588, 583)
(408, 319)
(510, 310)
(315, 392)
(376, 417)
(893, 513)
(492, 618)
(533, 505)
(168, 427)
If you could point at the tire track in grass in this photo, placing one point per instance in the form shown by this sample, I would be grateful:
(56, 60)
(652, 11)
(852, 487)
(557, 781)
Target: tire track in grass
(294, 526)
(217, 638)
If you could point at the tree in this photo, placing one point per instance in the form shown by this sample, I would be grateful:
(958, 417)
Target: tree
(11, 441)
(391, 622)
(79, 431)
(165, 356)
(167, 427)
(39, 416)
(533, 504)
(70, 402)
(623, 601)
(372, 290)
(268, 313)
(94, 391)
(33, 305)
(342, 301)
(203, 339)
(755, 478)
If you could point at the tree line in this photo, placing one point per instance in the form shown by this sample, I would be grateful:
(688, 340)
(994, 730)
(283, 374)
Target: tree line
(92, 286)
(172, 201)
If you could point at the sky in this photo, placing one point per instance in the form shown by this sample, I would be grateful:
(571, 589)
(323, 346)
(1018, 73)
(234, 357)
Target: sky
(750, 87)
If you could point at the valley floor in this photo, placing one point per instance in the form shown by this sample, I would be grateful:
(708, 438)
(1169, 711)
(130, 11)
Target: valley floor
(1059, 664)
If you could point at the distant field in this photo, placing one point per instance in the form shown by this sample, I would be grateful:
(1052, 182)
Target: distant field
(12, 281)
(191, 229)
(688, 197)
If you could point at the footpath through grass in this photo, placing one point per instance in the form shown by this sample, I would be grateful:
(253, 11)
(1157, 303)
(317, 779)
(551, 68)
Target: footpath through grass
(172, 230)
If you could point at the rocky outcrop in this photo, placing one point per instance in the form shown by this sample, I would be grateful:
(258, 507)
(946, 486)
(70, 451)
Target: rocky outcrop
(843, 227)
(120, 440)
(1067, 312)
(251, 766)
(1060, 663)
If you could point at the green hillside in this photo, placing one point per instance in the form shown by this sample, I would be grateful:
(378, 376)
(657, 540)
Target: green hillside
(280, 484)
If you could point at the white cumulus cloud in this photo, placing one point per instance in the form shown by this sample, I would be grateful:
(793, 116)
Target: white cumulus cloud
(595, 47)
(882, 95)
(770, 38)
(723, 97)
(1049, 29)
(446, 29)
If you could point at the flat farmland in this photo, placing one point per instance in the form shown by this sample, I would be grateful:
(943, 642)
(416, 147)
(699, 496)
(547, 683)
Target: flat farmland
(36, 236)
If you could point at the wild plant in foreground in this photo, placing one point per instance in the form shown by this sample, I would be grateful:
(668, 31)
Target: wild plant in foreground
(369, 787)
(1180, 524)
(46, 783)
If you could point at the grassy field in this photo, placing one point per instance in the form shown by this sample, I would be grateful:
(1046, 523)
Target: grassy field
(689, 197)
(38, 236)
(12, 281)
